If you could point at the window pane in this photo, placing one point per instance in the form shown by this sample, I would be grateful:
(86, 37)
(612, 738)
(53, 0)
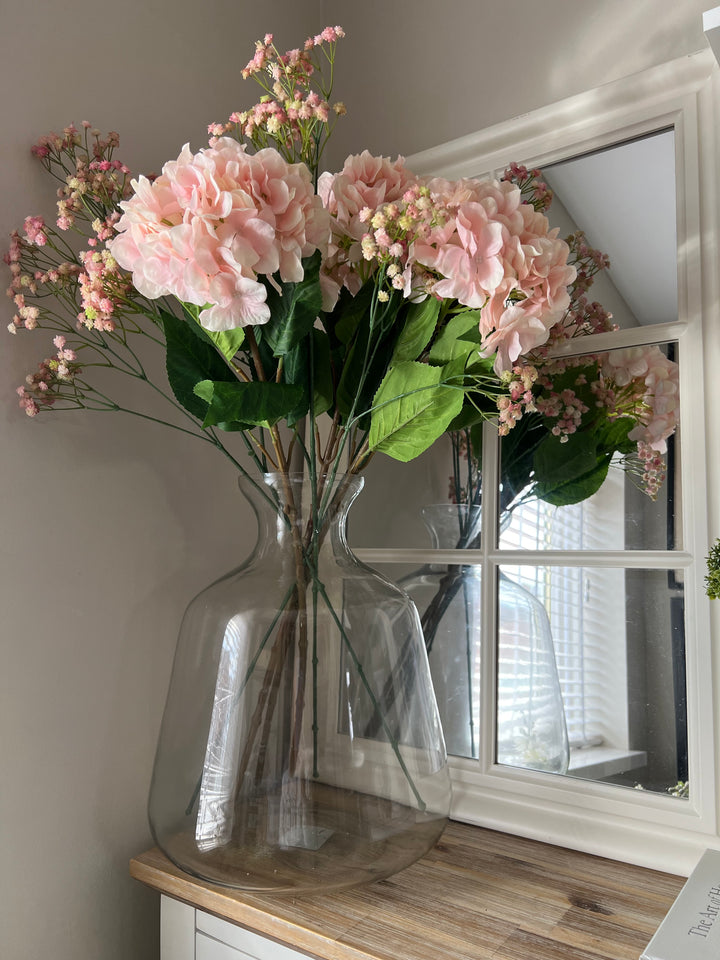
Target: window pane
(620, 669)
(623, 197)
(395, 508)
(621, 515)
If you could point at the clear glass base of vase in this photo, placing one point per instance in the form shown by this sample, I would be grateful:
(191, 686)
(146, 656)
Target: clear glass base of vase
(307, 834)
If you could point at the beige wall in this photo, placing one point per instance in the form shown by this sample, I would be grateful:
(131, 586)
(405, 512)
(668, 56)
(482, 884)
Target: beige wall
(109, 525)
(416, 74)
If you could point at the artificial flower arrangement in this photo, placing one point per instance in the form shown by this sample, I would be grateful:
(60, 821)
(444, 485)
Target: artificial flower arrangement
(399, 307)
(321, 318)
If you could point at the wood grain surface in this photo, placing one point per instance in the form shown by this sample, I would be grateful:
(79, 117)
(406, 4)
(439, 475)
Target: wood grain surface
(477, 895)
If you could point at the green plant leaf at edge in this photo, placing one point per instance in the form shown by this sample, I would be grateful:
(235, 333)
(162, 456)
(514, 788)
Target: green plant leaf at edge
(258, 403)
(411, 409)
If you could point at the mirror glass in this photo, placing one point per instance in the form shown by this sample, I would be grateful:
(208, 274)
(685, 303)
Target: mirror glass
(590, 678)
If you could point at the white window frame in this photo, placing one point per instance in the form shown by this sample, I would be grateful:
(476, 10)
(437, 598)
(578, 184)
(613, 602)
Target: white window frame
(596, 817)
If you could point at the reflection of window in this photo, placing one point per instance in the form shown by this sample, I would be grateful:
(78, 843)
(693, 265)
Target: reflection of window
(583, 624)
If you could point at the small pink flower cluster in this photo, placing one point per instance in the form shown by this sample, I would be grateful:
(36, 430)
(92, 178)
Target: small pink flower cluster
(653, 467)
(266, 56)
(43, 388)
(567, 408)
(533, 188)
(587, 260)
(519, 399)
(53, 144)
(87, 169)
(26, 279)
(212, 223)
(102, 289)
(35, 231)
(291, 113)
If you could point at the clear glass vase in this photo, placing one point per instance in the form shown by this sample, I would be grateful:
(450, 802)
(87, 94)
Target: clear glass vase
(301, 749)
(531, 728)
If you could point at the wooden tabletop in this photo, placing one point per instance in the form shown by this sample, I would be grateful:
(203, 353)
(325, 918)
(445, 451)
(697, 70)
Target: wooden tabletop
(477, 895)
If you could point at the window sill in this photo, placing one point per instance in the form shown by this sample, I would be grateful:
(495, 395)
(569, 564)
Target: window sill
(596, 763)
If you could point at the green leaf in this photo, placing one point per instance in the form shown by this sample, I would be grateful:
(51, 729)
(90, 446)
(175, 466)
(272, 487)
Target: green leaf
(228, 342)
(416, 334)
(191, 358)
(451, 343)
(294, 310)
(350, 311)
(569, 472)
(259, 403)
(322, 368)
(555, 461)
(411, 410)
(576, 490)
(296, 371)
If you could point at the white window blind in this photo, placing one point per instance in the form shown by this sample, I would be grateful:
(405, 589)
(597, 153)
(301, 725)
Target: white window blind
(584, 625)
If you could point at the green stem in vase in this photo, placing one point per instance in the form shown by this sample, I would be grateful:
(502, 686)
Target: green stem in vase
(373, 699)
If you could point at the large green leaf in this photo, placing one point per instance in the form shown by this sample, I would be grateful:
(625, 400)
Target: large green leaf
(191, 358)
(349, 312)
(228, 342)
(569, 472)
(556, 461)
(418, 329)
(452, 342)
(576, 490)
(411, 410)
(259, 403)
(322, 370)
(294, 309)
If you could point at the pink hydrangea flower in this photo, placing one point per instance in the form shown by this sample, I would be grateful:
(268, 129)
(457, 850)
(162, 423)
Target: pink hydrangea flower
(212, 222)
(498, 254)
(364, 184)
(650, 366)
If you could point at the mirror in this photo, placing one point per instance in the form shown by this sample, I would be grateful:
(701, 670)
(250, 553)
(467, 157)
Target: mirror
(590, 658)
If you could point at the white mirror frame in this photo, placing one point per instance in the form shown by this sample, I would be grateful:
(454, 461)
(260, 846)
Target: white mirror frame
(641, 827)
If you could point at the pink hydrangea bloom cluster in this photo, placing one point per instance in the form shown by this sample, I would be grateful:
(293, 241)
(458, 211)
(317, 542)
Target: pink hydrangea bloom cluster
(471, 240)
(212, 223)
(45, 387)
(293, 114)
(655, 378)
(499, 254)
(366, 185)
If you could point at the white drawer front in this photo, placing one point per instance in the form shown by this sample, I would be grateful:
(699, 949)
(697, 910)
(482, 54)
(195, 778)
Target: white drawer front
(208, 949)
(238, 943)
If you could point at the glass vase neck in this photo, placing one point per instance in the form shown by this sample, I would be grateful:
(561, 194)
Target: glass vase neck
(286, 504)
(453, 525)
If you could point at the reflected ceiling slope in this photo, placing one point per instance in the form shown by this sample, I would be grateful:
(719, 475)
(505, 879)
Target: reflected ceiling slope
(624, 199)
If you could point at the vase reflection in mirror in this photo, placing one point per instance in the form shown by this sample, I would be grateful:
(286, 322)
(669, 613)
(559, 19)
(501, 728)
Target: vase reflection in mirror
(531, 728)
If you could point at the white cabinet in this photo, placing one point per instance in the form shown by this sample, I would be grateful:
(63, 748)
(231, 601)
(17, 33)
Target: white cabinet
(190, 934)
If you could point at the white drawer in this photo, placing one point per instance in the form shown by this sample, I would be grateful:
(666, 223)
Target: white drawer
(219, 940)
(208, 949)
